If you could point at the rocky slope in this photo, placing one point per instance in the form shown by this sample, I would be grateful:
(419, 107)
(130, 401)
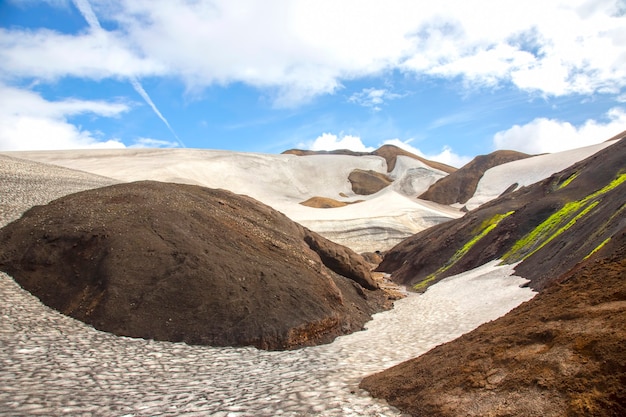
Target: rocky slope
(559, 354)
(460, 185)
(185, 263)
(548, 227)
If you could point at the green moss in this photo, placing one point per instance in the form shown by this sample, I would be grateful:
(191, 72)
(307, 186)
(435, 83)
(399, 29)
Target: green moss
(568, 180)
(597, 248)
(613, 184)
(480, 232)
(424, 283)
(557, 223)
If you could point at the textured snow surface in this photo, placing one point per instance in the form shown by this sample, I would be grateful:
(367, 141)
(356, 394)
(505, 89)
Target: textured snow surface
(51, 364)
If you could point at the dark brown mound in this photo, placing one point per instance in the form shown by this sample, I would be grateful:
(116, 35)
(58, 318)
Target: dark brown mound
(460, 186)
(325, 202)
(583, 206)
(368, 182)
(560, 354)
(389, 152)
(185, 263)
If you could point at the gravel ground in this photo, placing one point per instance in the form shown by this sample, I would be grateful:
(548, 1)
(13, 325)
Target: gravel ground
(24, 184)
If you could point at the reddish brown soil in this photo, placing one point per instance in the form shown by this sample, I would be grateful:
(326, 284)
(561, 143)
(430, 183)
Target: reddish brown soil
(325, 202)
(560, 354)
(185, 263)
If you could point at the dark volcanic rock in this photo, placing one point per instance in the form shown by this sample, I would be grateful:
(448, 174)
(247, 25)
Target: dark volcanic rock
(559, 354)
(185, 263)
(460, 186)
(368, 182)
(548, 226)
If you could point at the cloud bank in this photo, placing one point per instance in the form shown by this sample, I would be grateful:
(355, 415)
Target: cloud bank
(300, 49)
(28, 121)
(293, 51)
(548, 135)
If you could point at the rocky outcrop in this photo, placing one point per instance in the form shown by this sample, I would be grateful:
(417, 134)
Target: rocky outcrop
(188, 264)
(460, 186)
(325, 202)
(560, 353)
(548, 227)
(368, 182)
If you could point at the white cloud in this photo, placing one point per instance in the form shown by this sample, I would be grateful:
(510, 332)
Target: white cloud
(91, 55)
(548, 135)
(153, 143)
(330, 142)
(299, 49)
(29, 122)
(373, 97)
(446, 155)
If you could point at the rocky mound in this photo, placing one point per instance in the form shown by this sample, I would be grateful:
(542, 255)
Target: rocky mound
(460, 186)
(185, 263)
(548, 227)
(389, 152)
(325, 202)
(368, 182)
(561, 353)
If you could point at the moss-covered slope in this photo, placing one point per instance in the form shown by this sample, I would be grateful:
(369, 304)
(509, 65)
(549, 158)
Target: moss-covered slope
(548, 227)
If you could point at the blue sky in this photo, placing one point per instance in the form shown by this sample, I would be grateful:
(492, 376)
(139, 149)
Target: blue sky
(448, 80)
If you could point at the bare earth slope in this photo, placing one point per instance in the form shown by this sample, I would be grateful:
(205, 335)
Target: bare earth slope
(559, 354)
(460, 186)
(548, 227)
(185, 263)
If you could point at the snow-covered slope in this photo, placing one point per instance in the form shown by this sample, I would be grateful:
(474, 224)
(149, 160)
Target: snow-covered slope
(527, 171)
(283, 181)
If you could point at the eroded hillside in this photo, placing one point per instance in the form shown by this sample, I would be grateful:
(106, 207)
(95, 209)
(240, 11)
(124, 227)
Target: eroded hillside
(548, 227)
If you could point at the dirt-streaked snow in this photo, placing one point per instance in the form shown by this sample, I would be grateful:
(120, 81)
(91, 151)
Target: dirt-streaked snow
(54, 365)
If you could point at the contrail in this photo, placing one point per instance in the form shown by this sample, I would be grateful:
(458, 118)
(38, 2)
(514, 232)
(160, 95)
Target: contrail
(85, 9)
(139, 89)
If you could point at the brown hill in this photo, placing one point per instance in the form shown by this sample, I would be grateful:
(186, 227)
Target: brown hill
(389, 152)
(548, 226)
(560, 354)
(460, 186)
(185, 263)
(368, 182)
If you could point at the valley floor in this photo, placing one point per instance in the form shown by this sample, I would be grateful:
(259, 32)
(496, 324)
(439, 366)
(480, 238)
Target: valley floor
(51, 364)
